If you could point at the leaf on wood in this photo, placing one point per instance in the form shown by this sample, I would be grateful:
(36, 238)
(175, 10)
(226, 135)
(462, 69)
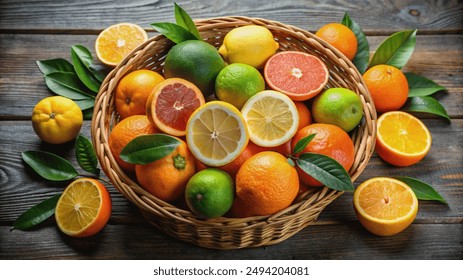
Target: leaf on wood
(362, 56)
(82, 59)
(148, 148)
(36, 214)
(421, 86)
(425, 104)
(85, 155)
(49, 166)
(55, 65)
(422, 190)
(396, 50)
(67, 85)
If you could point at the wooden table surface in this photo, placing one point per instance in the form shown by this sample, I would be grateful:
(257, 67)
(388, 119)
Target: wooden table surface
(39, 30)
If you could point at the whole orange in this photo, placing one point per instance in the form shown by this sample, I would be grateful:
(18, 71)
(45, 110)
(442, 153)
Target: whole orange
(124, 132)
(133, 91)
(329, 140)
(166, 178)
(340, 37)
(265, 184)
(233, 167)
(388, 87)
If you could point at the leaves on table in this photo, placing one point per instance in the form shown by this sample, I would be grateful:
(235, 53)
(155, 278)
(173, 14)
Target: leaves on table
(422, 190)
(425, 104)
(86, 156)
(421, 86)
(148, 148)
(36, 214)
(49, 166)
(55, 65)
(82, 59)
(362, 56)
(396, 49)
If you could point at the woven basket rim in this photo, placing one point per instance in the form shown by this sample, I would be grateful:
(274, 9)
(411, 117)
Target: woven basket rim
(153, 208)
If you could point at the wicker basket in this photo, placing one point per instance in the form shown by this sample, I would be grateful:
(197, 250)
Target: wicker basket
(231, 233)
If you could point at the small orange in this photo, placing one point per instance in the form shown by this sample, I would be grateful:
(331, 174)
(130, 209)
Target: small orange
(265, 184)
(305, 118)
(385, 206)
(133, 91)
(388, 87)
(401, 138)
(84, 208)
(166, 178)
(330, 140)
(340, 37)
(124, 132)
(117, 41)
(233, 167)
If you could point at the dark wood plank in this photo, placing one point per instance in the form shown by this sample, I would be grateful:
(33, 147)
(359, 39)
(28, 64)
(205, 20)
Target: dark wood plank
(314, 242)
(93, 16)
(22, 85)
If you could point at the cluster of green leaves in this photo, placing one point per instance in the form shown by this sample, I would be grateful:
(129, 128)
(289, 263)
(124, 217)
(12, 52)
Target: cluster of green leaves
(396, 50)
(79, 80)
(55, 168)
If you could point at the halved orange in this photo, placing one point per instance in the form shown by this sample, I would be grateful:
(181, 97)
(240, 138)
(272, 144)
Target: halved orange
(299, 75)
(84, 208)
(402, 139)
(118, 40)
(171, 104)
(385, 206)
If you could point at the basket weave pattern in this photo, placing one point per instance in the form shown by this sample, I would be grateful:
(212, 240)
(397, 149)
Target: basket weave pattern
(231, 233)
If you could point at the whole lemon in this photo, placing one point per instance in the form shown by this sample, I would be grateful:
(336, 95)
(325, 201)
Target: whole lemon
(237, 82)
(250, 44)
(57, 119)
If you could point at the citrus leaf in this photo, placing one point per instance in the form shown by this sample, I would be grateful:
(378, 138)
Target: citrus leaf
(173, 32)
(66, 84)
(421, 86)
(396, 50)
(184, 20)
(82, 59)
(362, 57)
(49, 166)
(85, 155)
(326, 170)
(301, 144)
(55, 65)
(425, 104)
(85, 104)
(422, 190)
(148, 148)
(36, 214)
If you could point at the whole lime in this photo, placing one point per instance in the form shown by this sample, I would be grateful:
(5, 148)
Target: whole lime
(338, 106)
(195, 61)
(237, 82)
(210, 192)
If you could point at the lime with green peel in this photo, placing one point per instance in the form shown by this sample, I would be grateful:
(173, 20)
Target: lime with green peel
(210, 193)
(237, 82)
(338, 106)
(195, 61)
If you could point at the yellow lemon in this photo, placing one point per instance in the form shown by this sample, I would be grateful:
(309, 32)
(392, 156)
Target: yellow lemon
(250, 44)
(57, 119)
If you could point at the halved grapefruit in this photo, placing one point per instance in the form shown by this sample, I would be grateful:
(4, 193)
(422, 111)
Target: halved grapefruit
(299, 75)
(171, 104)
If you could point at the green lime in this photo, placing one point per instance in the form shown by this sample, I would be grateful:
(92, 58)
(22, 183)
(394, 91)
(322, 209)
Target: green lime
(195, 61)
(237, 82)
(210, 193)
(338, 106)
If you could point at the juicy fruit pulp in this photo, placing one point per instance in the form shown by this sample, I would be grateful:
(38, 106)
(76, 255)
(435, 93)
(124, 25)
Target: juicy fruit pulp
(195, 61)
(299, 75)
(338, 106)
(385, 206)
(171, 104)
(210, 193)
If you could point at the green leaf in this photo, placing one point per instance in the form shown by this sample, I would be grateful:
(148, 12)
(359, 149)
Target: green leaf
(396, 50)
(88, 114)
(85, 155)
(362, 57)
(148, 148)
(55, 65)
(67, 85)
(425, 104)
(36, 214)
(85, 104)
(49, 166)
(82, 59)
(301, 144)
(184, 20)
(173, 32)
(421, 86)
(422, 190)
(326, 170)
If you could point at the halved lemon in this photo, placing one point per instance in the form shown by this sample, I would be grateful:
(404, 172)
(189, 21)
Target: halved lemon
(216, 133)
(84, 208)
(271, 117)
(117, 41)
